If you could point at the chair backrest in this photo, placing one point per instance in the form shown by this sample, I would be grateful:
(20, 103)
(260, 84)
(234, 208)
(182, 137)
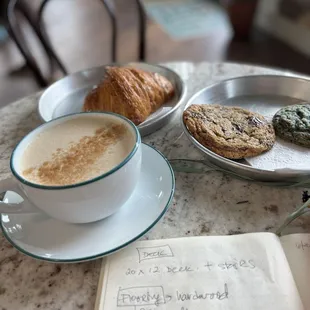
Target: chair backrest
(110, 9)
(38, 28)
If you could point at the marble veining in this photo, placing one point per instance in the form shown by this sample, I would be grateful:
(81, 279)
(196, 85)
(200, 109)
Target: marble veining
(209, 204)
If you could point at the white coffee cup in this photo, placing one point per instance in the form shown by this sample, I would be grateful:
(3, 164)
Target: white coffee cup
(83, 202)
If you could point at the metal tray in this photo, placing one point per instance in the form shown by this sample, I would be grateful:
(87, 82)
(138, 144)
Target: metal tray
(258, 93)
(67, 95)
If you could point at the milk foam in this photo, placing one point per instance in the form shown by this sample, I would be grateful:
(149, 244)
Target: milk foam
(67, 135)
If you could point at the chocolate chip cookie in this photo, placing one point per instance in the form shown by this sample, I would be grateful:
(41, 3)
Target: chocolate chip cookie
(292, 123)
(231, 132)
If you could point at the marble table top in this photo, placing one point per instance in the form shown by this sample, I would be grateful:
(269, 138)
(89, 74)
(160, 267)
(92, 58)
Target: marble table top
(204, 204)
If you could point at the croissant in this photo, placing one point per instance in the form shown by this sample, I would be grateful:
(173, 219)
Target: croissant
(130, 92)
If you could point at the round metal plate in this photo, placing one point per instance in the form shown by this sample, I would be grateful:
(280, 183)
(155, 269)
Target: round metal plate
(67, 95)
(264, 94)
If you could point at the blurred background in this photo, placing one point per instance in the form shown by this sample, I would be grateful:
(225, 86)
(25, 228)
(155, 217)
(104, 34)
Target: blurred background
(43, 40)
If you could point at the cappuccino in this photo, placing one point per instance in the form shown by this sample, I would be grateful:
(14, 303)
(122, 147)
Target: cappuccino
(77, 150)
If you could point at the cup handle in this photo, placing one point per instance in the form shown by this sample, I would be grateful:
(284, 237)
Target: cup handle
(22, 207)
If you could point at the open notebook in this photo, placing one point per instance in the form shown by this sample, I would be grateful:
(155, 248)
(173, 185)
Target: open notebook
(251, 271)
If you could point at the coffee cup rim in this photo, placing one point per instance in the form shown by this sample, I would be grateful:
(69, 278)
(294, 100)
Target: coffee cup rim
(97, 178)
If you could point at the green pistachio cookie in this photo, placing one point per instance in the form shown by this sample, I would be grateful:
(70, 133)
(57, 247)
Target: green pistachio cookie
(292, 123)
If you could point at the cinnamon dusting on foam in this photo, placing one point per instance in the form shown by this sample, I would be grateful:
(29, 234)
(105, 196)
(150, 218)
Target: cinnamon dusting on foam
(70, 166)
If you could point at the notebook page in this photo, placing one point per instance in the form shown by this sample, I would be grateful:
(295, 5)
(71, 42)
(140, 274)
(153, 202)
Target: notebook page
(198, 273)
(297, 250)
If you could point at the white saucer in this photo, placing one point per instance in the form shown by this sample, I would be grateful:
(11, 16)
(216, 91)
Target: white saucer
(42, 237)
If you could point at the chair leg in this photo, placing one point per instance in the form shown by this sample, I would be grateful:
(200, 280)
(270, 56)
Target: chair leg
(45, 40)
(142, 31)
(30, 64)
(111, 12)
(15, 34)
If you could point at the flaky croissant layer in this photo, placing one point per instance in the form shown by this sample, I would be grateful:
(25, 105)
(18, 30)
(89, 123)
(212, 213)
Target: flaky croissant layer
(130, 92)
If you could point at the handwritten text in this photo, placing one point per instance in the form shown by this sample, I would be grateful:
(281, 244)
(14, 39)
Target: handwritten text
(154, 252)
(203, 295)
